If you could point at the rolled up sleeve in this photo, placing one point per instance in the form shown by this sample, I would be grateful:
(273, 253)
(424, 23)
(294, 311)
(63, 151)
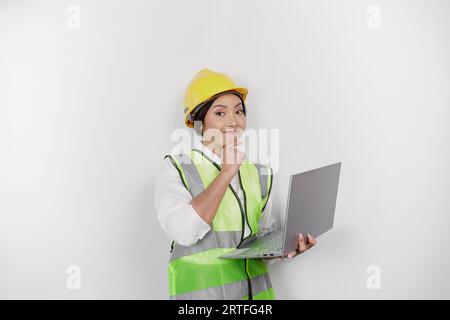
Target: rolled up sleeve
(175, 213)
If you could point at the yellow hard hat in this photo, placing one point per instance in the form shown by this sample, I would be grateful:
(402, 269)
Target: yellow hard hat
(205, 85)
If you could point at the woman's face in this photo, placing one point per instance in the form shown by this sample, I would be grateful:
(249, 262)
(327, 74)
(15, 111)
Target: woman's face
(226, 115)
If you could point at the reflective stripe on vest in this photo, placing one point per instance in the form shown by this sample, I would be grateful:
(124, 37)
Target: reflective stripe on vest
(197, 272)
(232, 291)
(265, 181)
(213, 239)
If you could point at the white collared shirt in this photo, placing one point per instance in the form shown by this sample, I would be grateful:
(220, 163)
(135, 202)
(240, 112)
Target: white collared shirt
(175, 213)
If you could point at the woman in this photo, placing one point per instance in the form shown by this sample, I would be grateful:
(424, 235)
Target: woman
(211, 199)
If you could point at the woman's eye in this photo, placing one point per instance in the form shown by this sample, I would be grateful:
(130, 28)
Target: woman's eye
(220, 113)
(240, 112)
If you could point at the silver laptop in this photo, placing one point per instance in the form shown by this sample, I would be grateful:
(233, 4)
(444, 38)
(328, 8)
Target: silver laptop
(311, 203)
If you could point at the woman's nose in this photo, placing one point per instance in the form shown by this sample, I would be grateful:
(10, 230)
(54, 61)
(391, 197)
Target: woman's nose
(233, 121)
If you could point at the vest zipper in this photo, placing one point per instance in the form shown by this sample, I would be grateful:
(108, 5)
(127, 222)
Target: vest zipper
(249, 281)
(245, 208)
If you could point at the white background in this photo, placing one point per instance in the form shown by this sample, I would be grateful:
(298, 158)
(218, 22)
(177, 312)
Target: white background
(86, 117)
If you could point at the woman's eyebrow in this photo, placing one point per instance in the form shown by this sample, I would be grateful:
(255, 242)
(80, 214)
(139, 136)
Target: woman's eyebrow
(221, 105)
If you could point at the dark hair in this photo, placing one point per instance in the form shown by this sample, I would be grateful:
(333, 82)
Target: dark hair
(200, 114)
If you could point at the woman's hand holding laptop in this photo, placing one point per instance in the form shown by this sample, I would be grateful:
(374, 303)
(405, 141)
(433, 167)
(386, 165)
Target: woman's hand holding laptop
(303, 245)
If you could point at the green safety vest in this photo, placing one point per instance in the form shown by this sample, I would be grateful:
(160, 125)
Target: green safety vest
(197, 272)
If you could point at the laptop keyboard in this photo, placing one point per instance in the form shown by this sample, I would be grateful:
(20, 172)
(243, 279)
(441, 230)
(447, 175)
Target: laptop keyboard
(268, 248)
